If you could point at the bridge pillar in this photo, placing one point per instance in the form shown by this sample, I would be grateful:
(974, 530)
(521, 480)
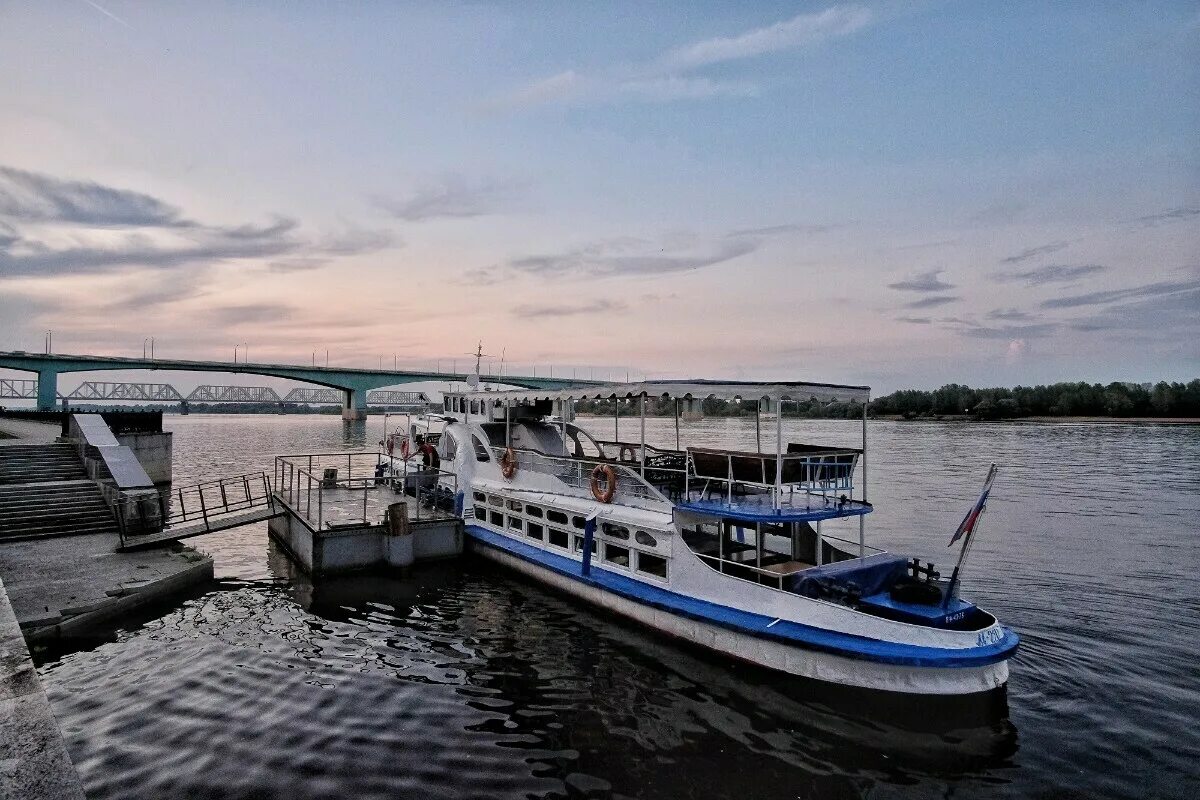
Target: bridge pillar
(47, 397)
(354, 404)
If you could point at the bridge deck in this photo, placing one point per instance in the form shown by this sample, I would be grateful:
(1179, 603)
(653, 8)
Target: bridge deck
(200, 527)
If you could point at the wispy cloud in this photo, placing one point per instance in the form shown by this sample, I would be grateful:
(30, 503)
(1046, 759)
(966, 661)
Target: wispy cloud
(154, 235)
(784, 229)
(1009, 314)
(1037, 330)
(915, 320)
(1172, 315)
(547, 310)
(923, 282)
(34, 197)
(802, 30)
(1177, 214)
(451, 196)
(614, 258)
(932, 301)
(1051, 273)
(1034, 252)
(1116, 295)
(670, 76)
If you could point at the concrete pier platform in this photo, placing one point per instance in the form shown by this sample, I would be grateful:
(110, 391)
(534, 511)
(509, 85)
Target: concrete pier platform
(34, 764)
(23, 431)
(61, 587)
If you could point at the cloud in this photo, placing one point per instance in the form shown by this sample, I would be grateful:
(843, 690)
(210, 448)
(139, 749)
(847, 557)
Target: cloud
(1116, 295)
(1169, 314)
(299, 264)
(932, 301)
(1034, 331)
(668, 76)
(782, 230)
(160, 237)
(33, 197)
(1034, 252)
(452, 196)
(915, 320)
(802, 30)
(232, 315)
(1177, 214)
(923, 282)
(612, 258)
(1008, 314)
(543, 311)
(1051, 273)
(1016, 350)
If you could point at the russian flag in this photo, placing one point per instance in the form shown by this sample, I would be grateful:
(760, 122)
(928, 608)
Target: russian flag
(972, 517)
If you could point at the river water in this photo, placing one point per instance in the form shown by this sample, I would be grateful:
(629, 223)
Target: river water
(466, 681)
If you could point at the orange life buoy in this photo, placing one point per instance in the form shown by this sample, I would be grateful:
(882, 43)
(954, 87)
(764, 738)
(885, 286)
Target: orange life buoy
(610, 477)
(508, 463)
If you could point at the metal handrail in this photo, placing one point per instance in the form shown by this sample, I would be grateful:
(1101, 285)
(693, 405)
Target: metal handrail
(168, 516)
(296, 484)
(576, 473)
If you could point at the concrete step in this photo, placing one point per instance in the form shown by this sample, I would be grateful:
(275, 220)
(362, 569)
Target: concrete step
(80, 511)
(46, 532)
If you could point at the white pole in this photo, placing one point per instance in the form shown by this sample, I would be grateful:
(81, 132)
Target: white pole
(862, 519)
(779, 455)
(643, 413)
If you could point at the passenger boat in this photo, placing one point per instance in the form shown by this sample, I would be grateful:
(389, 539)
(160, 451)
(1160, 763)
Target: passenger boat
(721, 548)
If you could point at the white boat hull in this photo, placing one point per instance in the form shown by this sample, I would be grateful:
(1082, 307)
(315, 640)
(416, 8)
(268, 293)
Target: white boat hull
(768, 653)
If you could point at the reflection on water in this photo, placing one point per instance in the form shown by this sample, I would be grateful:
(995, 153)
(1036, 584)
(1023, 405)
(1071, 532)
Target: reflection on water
(464, 681)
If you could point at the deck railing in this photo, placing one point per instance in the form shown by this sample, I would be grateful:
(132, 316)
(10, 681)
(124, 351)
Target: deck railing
(826, 472)
(313, 485)
(575, 476)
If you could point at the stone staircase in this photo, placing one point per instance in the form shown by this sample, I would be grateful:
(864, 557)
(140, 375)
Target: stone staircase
(44, 491)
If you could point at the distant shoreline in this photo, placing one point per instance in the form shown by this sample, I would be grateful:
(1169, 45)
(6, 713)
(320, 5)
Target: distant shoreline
(961, 418)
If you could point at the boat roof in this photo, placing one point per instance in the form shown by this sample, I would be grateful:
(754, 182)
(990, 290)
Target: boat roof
(689, 389)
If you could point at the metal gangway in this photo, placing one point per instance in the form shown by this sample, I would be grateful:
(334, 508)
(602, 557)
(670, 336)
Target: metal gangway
(206, 507)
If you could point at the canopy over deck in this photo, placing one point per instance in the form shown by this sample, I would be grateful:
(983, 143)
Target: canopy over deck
(693, 390)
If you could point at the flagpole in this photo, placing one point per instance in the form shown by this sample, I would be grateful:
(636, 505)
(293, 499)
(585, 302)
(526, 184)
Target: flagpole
(966, 546)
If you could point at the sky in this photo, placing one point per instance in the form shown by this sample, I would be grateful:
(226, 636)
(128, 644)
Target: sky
(892, 194)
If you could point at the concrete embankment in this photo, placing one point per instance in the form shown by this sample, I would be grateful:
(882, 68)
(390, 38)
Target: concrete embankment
(34, 764)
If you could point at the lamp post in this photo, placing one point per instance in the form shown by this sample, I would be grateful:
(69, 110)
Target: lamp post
(49, 341)
(235, 349)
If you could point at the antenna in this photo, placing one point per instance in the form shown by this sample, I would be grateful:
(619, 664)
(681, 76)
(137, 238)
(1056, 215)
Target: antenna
(473, 380)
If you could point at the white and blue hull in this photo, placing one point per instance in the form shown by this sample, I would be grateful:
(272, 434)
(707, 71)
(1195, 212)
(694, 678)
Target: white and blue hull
(754, 638)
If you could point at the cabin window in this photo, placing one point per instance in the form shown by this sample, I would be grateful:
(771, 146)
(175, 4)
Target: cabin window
(616, 555)
(533, 531)
(480, 512)
(496, 500)
(497, 519)
(445, 403)
(479, 496)
(556, 516)
(481, 452)
(579, 522)
(448, 447)
(641, 537)
(515, 505)
(516, 523)
(474, 406)
(652, 565)
(559, 538)
(616, 531)
(579, 544)
(534, 511)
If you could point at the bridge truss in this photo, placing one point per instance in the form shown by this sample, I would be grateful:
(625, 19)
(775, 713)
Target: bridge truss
(142, 392)
(233, 394)
(18, 389)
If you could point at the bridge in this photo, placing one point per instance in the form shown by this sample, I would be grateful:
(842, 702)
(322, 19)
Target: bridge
(207, 393)
(351, 386)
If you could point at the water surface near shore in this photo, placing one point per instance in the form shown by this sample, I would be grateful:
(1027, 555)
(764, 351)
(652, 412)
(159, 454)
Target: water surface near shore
(465, 681)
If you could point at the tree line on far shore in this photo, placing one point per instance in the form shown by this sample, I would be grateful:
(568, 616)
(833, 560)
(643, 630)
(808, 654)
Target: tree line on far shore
(1055, 400)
